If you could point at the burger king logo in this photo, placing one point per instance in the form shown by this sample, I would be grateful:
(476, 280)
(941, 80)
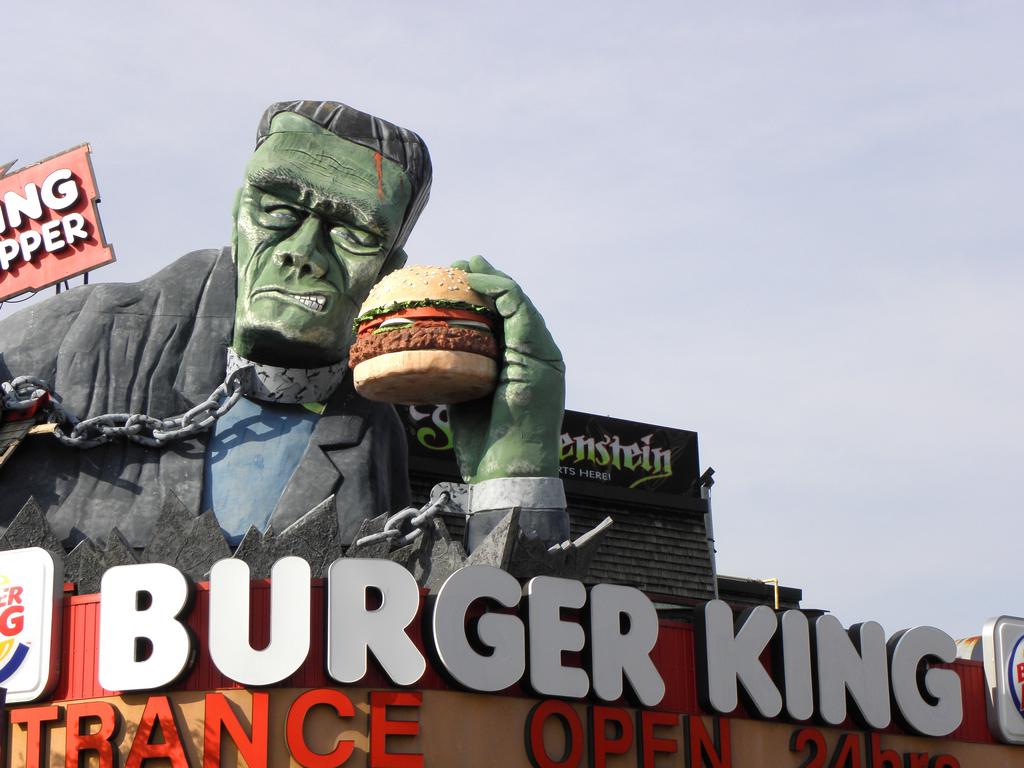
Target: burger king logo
(1015, 675)
(13, 645)
(1003, 651)
(31, 591)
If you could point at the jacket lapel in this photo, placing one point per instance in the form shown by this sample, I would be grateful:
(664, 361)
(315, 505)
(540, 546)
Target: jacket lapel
(341, 426)
(213, 310)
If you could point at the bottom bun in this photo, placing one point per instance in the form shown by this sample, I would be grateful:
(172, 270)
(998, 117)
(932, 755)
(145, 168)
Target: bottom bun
(425, 377)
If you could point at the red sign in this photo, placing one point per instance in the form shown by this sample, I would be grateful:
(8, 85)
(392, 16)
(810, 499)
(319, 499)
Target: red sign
(49, 227)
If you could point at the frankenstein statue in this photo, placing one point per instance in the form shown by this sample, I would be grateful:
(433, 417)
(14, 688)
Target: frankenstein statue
(328, 201)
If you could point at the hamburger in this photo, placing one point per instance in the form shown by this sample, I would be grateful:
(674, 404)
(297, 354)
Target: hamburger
(424, 337)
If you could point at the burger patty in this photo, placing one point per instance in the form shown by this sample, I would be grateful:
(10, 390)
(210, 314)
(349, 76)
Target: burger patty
(422, 336)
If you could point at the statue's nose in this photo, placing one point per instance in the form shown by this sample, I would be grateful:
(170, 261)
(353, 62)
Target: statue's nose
(301, 251)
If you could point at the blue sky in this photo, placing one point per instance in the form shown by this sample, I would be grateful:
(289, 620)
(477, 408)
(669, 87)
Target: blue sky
(792, 227)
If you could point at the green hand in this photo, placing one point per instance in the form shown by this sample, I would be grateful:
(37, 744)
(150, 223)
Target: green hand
(514, 432)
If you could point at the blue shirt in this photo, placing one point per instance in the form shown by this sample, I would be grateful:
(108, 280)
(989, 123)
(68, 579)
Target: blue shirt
(253, 451)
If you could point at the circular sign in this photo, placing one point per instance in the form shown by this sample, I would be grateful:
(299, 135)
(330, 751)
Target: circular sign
(12, 625)
(1015, 674)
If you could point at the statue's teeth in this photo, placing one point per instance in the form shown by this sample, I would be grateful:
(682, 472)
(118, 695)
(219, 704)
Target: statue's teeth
(312, 301)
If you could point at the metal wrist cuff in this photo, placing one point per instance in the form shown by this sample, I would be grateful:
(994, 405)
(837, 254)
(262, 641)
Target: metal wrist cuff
(522, 492)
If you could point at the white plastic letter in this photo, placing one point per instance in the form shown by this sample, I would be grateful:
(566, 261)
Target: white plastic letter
(230, 620)
(142, 603)
(74, 227)
(731, 657)
(30, 241)
(852, 661)
(8, 253)
(505, 634)
(550, 636)
(618, 652)
(353, 629)
(51, 236)
(59, 190)
(18, 206)
(796, 665)
(908, 650)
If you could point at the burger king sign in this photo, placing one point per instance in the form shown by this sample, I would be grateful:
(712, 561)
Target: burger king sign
(31, 587)
(1003, 648)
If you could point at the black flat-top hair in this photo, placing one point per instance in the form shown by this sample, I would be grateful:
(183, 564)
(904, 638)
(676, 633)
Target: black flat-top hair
(400, 145)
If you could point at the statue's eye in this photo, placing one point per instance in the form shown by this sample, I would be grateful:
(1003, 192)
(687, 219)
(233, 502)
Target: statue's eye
(279, 217)
(355, 239)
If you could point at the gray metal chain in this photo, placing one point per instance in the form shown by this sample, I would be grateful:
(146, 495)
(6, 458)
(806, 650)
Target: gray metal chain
(416, 517)
(22, 392)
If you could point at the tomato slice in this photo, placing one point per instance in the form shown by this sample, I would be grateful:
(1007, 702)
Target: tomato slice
(442, 314)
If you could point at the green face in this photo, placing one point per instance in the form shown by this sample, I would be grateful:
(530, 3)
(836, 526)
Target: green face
(314, 230)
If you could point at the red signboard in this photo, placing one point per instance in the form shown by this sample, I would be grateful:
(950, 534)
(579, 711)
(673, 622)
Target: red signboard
(49, 227)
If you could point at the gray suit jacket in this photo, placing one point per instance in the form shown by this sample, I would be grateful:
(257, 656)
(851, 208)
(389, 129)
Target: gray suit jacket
(158, 347)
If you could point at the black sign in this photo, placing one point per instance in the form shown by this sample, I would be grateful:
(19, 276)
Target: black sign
(594, 450)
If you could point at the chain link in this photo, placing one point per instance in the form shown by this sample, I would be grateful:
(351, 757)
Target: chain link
(23, 392)
(417, 519)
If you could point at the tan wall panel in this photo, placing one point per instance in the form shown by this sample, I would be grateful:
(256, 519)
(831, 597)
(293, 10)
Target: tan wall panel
(463, 729)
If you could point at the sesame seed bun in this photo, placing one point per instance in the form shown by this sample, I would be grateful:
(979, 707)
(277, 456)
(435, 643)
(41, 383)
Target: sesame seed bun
(416, 283)
(425, 337)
